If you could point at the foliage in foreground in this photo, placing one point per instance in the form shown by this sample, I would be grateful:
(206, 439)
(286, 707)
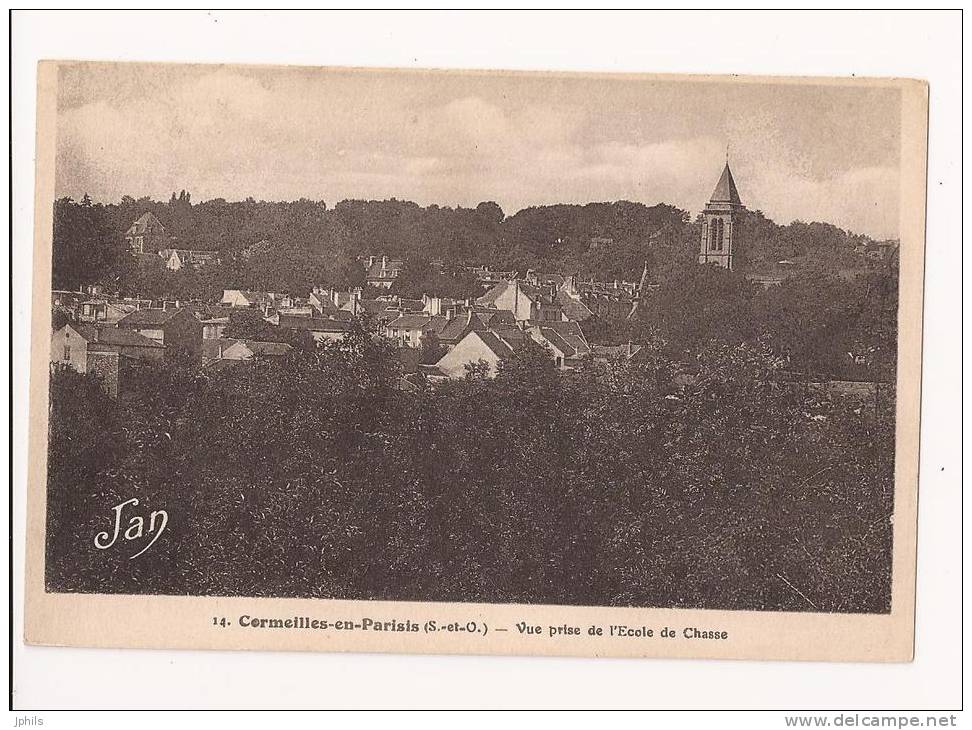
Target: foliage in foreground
(316, 476)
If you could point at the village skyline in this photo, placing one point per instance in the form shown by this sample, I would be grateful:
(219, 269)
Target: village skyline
(693, 213)
(468, 404)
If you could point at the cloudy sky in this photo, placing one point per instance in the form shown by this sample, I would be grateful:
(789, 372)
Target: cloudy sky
(813, 152)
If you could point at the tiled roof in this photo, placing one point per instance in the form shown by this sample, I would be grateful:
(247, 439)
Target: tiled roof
(372, 306)
(573, 308)
(453, 330)
(489, 298)
(609, 352)
(111, 336)
(572, 333)
(211, 349)
(313, 324)
(513, 337)
(148, 317)
(557, 341)
(410, 322)
(140, 225)
(255, 297)
(270, 349)
(204, 311)
(495, 344)
(725, 190)
(494, 317)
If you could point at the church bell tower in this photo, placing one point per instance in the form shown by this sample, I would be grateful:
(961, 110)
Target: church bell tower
(719, 222)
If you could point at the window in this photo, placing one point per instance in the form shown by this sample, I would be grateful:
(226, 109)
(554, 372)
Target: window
(67, 351)
(716, 233)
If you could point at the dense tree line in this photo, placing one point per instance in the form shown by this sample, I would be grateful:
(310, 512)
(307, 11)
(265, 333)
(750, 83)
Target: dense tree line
(725, 486)
(309, 244)
(823, 324)
(828, 319)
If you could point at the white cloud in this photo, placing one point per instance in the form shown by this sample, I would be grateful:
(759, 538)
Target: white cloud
(227, 133)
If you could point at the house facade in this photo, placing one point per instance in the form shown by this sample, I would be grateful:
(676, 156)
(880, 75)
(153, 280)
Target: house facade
(564, 340)
(178, 330)
(101, 350)
(213, 327)
(146, 235)
(487, 345)
(381, 271)
(525, 300)
(320, 328)
(179, 258)
(408, 329)
(263, 300)
(73, 343)
(107, 311)
(473, 348)
(233, 349)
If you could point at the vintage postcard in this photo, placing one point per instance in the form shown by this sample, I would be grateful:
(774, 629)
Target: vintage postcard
(475, 362)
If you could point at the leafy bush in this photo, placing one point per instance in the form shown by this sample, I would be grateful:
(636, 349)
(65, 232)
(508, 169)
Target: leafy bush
(315, 475)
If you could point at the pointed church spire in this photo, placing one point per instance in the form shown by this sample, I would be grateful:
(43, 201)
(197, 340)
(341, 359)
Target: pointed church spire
(718, 234)
(725, 191)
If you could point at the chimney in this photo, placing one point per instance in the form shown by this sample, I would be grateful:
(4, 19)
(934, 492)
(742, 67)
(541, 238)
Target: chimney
(450, 313)
(469, 316)
(371, 261)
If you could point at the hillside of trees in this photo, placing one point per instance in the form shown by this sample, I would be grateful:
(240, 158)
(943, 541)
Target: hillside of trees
(315, 476)
(823, 325)
(311, 244)
(719, 473)
(832, 318)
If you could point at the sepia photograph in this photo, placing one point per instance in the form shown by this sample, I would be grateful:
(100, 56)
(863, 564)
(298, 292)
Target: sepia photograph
(478, 360)
(523, 339)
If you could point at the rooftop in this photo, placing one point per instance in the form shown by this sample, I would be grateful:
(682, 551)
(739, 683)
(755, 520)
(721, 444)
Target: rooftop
(725, 191)
(112, 336)
(314, 324)
(149, 317)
